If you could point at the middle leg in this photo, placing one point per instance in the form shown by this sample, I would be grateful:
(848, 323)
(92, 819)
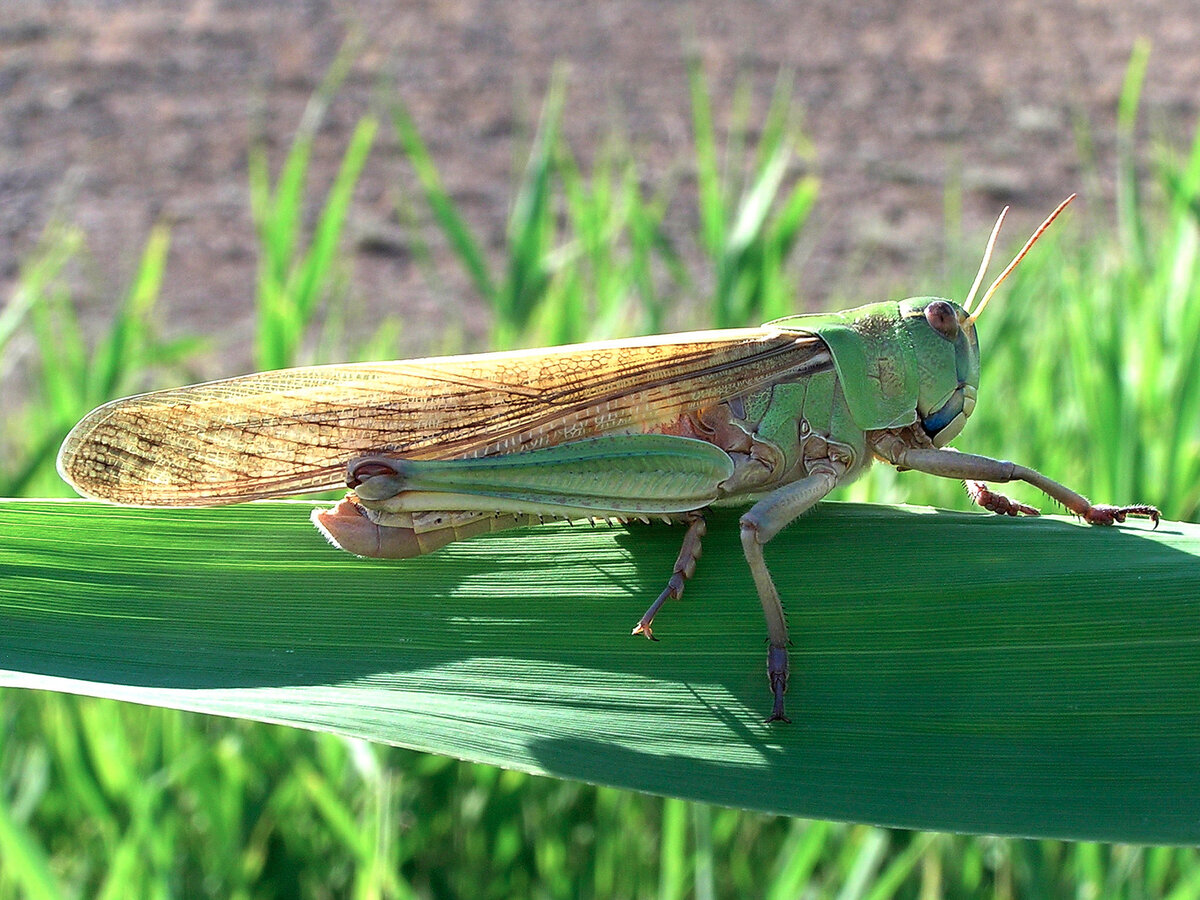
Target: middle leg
(765, 520)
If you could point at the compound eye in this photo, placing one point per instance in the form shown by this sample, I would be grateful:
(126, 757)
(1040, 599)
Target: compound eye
(942, 318)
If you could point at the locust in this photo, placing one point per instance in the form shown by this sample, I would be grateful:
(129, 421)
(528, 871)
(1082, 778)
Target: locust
(443, 449)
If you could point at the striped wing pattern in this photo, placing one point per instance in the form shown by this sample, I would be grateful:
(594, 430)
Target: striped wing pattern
(294, 430)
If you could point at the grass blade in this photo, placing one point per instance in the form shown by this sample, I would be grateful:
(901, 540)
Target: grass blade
(531, 229)
(317, 264)
(26, 864)
(293, 277)
(1130, 222)
(454, 226)
(711, 195)
(125, 340)
(1024, 700)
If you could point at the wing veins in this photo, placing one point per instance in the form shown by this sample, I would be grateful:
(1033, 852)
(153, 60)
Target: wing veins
(238, 439)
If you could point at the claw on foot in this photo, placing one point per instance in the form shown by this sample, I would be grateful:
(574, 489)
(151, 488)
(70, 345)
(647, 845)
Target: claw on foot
(777, 675)
(673, 591)
(1102, 514)
(777, 714)
(643, 627)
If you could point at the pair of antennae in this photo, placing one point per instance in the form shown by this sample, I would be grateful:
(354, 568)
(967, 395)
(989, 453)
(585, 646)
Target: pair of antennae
(987, 258)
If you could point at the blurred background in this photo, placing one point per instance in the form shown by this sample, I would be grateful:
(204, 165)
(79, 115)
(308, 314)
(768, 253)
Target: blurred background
(119, 115)
(198, 189)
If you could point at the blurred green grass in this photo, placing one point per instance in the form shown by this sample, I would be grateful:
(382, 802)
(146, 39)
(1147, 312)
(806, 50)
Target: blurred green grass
(1089, 373)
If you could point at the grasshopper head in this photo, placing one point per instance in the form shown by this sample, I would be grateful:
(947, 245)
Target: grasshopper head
(947, 352)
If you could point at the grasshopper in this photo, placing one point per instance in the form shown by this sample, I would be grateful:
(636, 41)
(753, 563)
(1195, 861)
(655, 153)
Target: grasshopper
(438, 450)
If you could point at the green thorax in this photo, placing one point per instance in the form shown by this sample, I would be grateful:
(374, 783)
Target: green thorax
(896, 368)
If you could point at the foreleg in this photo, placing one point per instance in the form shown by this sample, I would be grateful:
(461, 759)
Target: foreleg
(970, 467)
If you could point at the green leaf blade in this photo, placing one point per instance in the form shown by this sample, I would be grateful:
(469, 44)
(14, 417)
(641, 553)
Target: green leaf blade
(950, 671)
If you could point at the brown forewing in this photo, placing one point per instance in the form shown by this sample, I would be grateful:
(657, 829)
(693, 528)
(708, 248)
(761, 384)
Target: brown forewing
(291, 431)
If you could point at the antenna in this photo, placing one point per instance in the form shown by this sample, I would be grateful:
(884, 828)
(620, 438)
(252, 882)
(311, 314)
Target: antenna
(1012, 265)
(987, 258)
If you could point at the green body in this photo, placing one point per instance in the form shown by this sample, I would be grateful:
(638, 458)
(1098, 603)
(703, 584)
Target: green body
(890, 369)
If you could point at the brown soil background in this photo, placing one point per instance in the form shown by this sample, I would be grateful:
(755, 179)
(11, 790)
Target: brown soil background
(115, 115)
